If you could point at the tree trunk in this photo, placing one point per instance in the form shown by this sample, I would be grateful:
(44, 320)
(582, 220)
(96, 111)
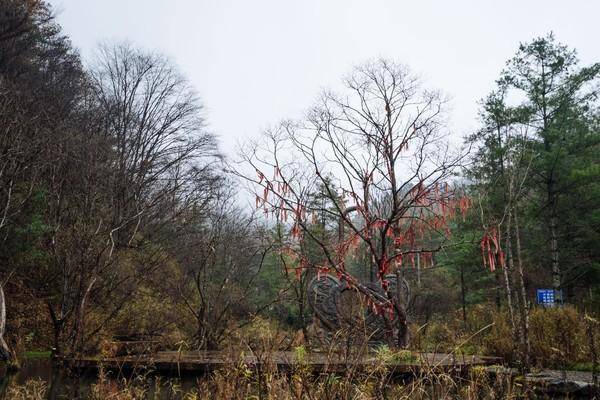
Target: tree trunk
(5, 353)
(506, 271)
(78, 334)
(402, 338)
(463, 293)
(556, 277)
(524, 303)
(498, 291)
(302, 307)
(57, 325)
(419, 270)
(553, 227)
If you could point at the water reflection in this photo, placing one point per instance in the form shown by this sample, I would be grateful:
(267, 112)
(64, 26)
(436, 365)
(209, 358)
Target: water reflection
(62, 384)
(59, 383)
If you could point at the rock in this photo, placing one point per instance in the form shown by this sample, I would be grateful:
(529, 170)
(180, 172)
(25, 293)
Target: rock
(550, 384)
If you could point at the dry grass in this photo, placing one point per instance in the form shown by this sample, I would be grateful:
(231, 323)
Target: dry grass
(558, 338)
(32, 389)
(244, 383)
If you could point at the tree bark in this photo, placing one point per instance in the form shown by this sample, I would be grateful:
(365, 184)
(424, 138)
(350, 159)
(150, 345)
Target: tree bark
(508, 266)
(463, 293)
(78, 331)
(5, 353)
(506, 269)
(402, 338)
(524, 303)
(556, 275)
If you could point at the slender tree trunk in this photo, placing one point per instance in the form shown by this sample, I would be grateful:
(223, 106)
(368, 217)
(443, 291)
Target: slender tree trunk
(592, 329)
(419, 270)
(5, 353)
(201, 329)
(57, 325)
(78, 334)
(301, 308)
(556, 275)
(506, 269)
(552, 200)
(497, 296)
(463, 293)
(524, 303)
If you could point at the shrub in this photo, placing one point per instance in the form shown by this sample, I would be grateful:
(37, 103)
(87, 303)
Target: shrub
(558, 337)
(499, 341)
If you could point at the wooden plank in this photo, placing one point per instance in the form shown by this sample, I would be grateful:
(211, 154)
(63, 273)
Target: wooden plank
(205, 361)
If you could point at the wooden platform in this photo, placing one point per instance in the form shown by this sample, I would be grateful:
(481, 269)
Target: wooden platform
(206, 361)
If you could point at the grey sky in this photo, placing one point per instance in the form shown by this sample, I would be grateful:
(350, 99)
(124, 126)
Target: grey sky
(256, 62)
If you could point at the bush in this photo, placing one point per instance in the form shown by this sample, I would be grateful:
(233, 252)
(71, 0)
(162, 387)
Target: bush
(558, 337)
(499, 341)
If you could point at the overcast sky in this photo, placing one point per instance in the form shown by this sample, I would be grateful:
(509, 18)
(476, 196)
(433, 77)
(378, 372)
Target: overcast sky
(255, 62)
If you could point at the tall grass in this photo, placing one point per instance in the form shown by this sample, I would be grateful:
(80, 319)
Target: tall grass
(243, 383)
(559, 339)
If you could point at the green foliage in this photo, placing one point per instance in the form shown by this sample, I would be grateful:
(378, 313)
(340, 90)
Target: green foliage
(36, 354)
(544, 148)
(386, 355)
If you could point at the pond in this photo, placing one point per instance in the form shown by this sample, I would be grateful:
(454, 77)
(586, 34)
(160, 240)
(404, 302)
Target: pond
(40, 379)
(45, 380)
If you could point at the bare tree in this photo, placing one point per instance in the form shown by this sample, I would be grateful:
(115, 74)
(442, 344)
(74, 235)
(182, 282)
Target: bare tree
(379, 151)
(154, 121)
(223, 255)
(139, 159)
(96, 169)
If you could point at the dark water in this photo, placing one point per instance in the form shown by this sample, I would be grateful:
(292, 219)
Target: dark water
(62, 384)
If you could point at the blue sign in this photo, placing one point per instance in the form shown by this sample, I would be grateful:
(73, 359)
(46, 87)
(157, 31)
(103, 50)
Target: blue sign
(546, 297)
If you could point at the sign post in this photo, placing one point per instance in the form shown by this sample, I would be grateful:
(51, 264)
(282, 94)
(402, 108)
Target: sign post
(548, 297)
